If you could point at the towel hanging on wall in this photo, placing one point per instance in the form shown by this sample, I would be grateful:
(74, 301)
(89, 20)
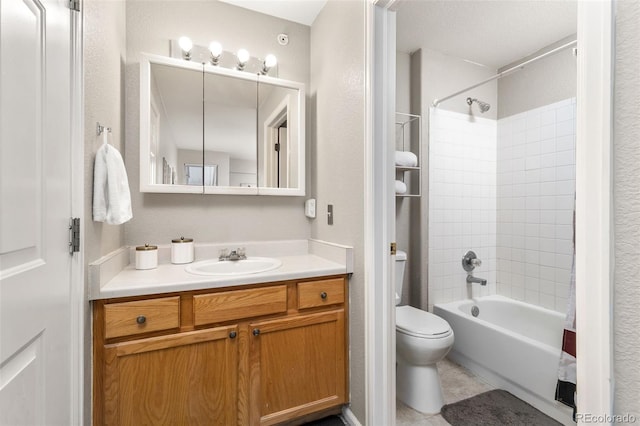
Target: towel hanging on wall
(111, 196)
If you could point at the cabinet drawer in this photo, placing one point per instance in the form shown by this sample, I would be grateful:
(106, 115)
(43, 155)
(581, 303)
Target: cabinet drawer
(239, 304)
(143, 316)
(320, 293)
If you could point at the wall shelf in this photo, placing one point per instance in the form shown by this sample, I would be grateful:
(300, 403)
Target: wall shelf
(408, 134)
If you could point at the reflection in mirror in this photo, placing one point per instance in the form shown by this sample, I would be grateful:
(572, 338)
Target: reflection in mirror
(212, 130)
(278, 136)
(175, 111)
(230, 130)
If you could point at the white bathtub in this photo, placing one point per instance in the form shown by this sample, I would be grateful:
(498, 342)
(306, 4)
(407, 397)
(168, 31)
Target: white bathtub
(511, 345)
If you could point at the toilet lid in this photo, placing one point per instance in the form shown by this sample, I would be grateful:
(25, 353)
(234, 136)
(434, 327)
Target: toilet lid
(415, 322)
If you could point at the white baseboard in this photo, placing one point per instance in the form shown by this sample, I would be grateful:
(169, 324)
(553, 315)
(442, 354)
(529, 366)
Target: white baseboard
(349, 417)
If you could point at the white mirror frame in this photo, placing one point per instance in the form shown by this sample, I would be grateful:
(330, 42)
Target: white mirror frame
(145, 130)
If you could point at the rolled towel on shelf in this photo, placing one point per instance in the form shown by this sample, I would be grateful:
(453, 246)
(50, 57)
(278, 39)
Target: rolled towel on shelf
(406, 159)
(401, 187)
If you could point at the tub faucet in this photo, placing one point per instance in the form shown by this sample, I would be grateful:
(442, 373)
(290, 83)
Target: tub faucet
(472, 279)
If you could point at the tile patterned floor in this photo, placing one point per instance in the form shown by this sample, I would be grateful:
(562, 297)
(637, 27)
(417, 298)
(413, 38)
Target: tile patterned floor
(457, 384)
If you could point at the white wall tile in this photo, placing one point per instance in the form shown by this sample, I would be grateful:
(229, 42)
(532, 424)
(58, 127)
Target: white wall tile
(506, 190)
(535, 208)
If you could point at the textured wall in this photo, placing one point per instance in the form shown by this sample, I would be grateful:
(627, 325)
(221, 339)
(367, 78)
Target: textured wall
(104, 58)
(160, 217)
(551, 79)
(626, 196)
(337, 155)
(104, 52)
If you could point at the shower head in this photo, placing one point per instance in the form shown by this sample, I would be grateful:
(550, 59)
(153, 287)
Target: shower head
(484, 107)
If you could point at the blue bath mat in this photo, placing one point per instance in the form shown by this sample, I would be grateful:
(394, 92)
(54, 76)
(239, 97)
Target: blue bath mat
(496, 407)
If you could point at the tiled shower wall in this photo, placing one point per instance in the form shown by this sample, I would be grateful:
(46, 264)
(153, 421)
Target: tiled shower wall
(535, 201)
(462, 203)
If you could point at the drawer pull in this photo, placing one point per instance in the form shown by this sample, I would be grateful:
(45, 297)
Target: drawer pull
(256, 331)
(141, 319)
(323, 295)
(233, 335)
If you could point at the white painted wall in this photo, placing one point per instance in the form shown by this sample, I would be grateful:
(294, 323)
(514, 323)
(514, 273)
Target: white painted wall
(157, 218)
(536, 189)
(462, 204)
(549, 80)
(626, 210)
(104, 51)
(336, 156)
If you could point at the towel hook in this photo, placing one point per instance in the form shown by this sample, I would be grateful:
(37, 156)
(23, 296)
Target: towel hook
(101, 129)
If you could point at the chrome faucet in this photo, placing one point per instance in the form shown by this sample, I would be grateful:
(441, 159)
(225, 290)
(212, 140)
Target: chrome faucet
(238, 254)
(472, 279)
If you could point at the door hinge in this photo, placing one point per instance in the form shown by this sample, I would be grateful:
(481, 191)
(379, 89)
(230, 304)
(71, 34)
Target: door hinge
(394, 249)
(74, 5)
(74, 235)
(278, 147)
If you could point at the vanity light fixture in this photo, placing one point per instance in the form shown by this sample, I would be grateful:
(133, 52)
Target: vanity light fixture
(269, 62)
(243, 58)
(186, 45)
(216, 52)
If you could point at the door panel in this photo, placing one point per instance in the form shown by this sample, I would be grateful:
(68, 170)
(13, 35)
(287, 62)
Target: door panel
(35, 200)
(173, 380)
(297, 366)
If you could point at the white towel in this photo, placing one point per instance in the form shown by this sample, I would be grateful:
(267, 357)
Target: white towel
(111, 196)
(401, 187)
(406, 159)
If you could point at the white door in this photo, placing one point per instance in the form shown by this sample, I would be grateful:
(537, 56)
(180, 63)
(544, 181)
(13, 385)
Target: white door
(35, 205)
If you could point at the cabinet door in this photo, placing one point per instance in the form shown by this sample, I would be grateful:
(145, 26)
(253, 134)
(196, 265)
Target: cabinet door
(186, 379)
(297, 366)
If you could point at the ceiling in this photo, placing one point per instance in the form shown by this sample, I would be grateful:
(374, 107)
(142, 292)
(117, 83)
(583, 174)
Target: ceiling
(491, 33)
(300, 11)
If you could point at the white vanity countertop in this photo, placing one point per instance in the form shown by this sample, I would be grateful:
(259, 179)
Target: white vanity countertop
(167, 277)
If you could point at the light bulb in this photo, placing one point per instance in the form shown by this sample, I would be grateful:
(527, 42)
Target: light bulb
(215, 48)
(243, 56)
(270, 61)
(185, 43)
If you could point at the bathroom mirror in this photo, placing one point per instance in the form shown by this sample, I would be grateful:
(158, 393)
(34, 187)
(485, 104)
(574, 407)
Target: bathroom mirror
(212, 130)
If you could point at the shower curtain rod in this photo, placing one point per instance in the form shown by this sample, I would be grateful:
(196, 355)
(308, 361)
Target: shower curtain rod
(507, 71)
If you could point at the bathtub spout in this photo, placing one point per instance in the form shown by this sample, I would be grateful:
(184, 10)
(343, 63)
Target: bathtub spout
(472, 279)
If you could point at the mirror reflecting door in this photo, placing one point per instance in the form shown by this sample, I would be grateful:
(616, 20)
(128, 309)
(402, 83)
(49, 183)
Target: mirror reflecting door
(278, 135)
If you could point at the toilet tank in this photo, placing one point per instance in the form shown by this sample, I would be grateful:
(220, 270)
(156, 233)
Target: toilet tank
(401, 261)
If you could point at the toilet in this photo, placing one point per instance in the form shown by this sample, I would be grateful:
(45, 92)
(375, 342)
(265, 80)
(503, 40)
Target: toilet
(422, 339)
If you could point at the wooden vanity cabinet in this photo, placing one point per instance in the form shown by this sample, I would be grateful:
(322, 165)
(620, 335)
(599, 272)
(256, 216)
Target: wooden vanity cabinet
(251, 355)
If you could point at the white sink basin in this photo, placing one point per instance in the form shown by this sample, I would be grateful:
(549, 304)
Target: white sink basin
(250, 265)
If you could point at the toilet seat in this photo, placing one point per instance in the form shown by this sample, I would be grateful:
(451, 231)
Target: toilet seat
(418, 323)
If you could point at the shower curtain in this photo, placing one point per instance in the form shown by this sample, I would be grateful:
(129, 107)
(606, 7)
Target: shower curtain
(566, 388)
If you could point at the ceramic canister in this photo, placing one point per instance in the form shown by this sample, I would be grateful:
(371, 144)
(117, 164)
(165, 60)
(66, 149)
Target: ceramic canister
(182, 250)
(146, 257)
